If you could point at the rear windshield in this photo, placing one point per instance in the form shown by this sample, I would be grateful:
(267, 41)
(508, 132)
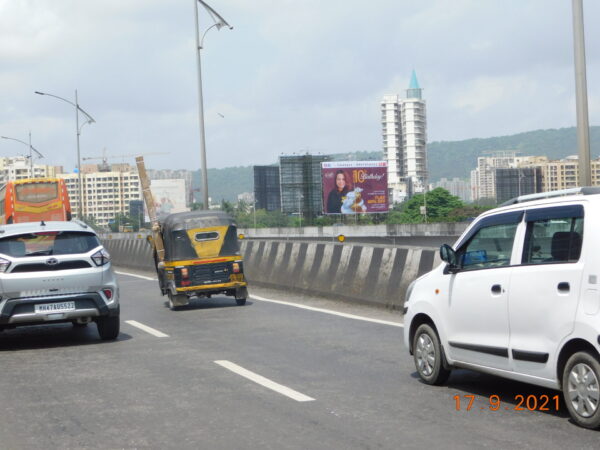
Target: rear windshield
(39, 192)
(48, 243)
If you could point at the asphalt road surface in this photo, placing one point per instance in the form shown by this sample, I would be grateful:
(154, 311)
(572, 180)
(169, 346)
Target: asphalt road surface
(266, 375)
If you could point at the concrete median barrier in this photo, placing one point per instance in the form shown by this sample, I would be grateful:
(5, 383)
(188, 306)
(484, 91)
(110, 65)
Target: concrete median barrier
(370, 274)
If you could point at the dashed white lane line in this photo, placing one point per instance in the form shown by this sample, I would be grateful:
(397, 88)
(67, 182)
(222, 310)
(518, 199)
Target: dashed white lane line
(301, 306)
(136, 275)
(329, 311)
(146, 328)
(259, 379)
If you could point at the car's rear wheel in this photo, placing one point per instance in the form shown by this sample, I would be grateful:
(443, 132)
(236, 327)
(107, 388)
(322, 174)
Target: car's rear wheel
(108, 327)
(428, 357)
(581, 389)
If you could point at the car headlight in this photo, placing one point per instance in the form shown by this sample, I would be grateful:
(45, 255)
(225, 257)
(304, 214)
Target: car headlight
(101, 257)
(4, 264)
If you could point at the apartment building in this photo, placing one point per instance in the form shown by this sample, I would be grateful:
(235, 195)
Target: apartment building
(404, 123)
(106, 194)
(18, 168)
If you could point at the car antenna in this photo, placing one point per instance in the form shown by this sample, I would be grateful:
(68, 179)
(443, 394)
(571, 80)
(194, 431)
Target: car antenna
(42, 224)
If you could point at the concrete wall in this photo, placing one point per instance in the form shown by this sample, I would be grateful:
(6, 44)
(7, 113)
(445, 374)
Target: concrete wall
(406, 229)
(362, 273)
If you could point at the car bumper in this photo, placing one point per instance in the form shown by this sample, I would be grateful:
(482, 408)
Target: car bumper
(21, 311)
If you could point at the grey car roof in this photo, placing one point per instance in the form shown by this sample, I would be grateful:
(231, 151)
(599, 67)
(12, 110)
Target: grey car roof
(36, 227)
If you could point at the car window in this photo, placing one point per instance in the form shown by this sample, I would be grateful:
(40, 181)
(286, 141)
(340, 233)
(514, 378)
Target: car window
(551, 241)
(488, 247)
(48, 243)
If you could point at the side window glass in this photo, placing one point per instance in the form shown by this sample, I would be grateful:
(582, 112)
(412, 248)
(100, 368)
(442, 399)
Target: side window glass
(557, 240)
(489, 247)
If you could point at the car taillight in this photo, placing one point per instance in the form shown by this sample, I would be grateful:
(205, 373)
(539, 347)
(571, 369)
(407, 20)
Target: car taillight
(107, 293)
(185, 276)
(4, 264)
(101, 257)
(236, 267)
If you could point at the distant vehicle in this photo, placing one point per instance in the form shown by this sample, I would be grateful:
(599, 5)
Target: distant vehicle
(34, 200)
(53, 272)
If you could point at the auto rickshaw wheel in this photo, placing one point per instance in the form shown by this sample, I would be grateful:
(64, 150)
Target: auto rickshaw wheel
(176, 301)
(240, 296)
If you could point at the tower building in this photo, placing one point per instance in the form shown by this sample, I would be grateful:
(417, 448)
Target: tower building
(404, 124)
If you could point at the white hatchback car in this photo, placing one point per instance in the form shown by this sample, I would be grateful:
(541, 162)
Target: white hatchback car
(518, 296)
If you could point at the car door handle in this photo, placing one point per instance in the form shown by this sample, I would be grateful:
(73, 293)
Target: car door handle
(496, 289)
(563, 287)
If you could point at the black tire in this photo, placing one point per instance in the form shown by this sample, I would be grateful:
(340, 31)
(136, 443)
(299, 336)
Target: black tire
(581, 381)
(240, 301)
(108, 327)
(428, 356)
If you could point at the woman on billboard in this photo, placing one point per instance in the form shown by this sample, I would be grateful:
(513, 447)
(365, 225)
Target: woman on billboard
(335, 198)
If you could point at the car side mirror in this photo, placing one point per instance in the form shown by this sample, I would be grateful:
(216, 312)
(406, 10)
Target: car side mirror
(448, 255)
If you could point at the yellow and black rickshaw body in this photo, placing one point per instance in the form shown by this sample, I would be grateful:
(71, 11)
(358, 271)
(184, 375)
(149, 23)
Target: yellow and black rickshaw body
(202, 257)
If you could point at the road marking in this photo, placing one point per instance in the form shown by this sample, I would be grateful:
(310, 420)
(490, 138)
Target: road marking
(146, 328)
(135, 275)
(258, 379)
(329, 311)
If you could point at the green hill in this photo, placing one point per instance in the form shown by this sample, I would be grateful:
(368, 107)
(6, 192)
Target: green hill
(446, 158)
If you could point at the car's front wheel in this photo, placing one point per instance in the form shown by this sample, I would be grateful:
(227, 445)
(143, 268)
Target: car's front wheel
(427, 353)
(581, 389)
(108, 327)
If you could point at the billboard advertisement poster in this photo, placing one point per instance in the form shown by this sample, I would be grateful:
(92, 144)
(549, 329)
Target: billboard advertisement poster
(354, 187)
(169, 196)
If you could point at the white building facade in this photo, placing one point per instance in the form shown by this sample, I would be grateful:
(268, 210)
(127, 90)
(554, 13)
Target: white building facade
(106, 194)
(18, 168)
(404, 123)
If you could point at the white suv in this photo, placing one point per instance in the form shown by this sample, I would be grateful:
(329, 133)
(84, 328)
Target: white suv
(518, 296)
(53, 272)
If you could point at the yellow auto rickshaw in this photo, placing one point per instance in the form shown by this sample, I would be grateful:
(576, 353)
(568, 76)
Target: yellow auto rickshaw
(201, 257)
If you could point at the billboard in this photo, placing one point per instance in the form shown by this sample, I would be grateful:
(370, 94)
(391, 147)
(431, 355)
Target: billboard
(354, 187)
(169, 196)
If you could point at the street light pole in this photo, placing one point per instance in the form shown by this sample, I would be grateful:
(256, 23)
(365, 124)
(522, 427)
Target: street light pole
(583, 129)
(31, 150)
(219, 22)
(90, 120)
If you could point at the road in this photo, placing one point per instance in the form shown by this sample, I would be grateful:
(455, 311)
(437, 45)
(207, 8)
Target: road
(329, 381)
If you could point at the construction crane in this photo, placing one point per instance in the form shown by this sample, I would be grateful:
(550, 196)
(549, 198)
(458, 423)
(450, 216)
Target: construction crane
(104, 166)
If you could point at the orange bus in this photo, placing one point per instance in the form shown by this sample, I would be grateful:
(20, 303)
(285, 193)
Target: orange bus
(34, 200)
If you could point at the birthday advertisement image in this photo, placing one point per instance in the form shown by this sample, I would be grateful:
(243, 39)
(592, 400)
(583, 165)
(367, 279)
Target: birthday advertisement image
(354, 187)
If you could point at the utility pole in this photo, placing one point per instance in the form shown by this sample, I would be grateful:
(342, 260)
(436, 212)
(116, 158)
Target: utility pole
(583, 129)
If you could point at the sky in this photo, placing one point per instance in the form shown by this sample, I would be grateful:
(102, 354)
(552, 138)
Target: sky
(291, 76)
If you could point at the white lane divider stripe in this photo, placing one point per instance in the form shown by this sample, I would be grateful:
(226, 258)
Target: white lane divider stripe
(135, 275)
(258, 379)
(146, 328)
(329, 311)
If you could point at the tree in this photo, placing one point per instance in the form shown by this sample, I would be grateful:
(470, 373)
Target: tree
(439, 204)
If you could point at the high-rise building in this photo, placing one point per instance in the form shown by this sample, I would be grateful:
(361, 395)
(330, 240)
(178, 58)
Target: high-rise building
(105, 194)
(516, 181)
(301, 185)
(19, 168)
(404, 124)
(267, 190)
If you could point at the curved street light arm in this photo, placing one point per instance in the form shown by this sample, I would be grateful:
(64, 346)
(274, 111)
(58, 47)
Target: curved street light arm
(89, 117)
(24, 143)
(207, 30)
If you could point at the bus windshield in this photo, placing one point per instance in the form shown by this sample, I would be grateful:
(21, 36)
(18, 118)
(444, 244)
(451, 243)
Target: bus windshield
(39, 192)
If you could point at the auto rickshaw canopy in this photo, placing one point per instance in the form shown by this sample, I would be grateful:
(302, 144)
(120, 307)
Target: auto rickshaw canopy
(199, 234)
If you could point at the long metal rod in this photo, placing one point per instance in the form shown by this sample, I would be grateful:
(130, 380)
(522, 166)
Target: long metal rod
(583, 128)
(80, 214)
(30, 157)
(203, 167)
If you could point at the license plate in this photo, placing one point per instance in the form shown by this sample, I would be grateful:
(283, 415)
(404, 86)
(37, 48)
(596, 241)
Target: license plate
(55, 307)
